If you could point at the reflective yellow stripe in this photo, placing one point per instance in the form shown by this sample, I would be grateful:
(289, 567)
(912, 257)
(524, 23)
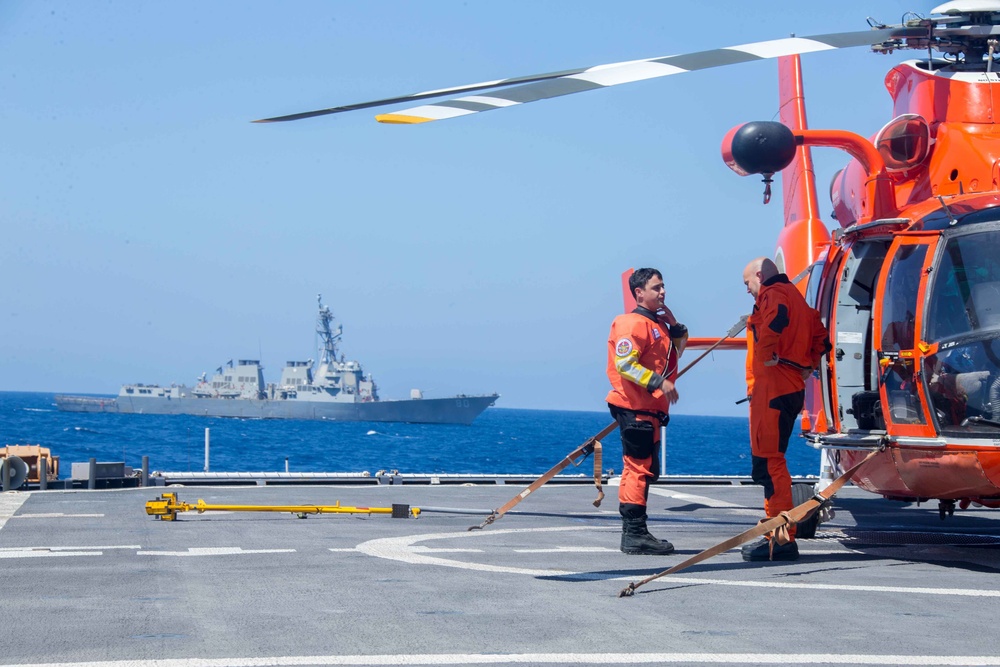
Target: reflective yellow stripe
(630, 369)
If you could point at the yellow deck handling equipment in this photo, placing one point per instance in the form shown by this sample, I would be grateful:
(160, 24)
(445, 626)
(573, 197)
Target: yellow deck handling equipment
(166, 507)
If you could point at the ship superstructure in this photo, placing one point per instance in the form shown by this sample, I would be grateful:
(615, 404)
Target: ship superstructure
(333, 389)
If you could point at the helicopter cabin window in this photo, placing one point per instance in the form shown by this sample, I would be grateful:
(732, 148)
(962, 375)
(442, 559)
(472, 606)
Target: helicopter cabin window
(899, 315)
(812, 286)
(900, 309)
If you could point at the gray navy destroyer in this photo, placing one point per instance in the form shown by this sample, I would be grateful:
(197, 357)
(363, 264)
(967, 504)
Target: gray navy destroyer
(337, 390)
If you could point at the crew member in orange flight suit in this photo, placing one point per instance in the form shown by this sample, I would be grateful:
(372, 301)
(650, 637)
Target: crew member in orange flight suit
(785, 342)
(643, 349)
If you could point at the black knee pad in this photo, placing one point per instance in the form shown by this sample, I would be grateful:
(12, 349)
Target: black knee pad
(637, 439)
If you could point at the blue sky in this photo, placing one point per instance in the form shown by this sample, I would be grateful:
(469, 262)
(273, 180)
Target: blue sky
(151, 232)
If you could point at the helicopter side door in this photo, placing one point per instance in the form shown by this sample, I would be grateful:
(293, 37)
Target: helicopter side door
(898, 321)
(818, 295)
(855, 385)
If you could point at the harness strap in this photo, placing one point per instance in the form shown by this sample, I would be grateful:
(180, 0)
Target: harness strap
(598, 462)
(590, 446)
(661, 417)
(795, 515)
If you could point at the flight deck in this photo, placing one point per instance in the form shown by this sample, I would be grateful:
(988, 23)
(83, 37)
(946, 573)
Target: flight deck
(89, 578)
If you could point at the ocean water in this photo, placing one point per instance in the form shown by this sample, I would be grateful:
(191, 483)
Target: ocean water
(500, 441)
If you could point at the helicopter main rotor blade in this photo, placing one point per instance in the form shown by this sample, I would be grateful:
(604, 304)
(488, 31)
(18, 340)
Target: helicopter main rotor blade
(520, 90)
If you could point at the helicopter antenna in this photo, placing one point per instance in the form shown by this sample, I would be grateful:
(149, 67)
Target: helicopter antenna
(948, 211)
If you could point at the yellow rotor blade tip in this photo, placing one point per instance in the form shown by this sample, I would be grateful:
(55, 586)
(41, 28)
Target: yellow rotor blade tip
(401, 119)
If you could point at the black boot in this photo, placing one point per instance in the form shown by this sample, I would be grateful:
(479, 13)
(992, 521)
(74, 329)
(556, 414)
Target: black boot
(636, 539)
(762, 549)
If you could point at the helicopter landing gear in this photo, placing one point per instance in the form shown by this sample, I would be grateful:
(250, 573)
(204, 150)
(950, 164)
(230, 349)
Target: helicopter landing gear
(806, 530)
(946, 508)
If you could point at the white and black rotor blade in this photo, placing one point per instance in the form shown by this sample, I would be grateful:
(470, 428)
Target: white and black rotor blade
(524, 89)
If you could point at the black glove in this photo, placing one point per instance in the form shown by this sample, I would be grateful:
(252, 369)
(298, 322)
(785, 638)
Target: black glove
(678, 330)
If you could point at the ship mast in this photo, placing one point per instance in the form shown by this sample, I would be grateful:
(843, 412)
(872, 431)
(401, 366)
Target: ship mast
(328, 339)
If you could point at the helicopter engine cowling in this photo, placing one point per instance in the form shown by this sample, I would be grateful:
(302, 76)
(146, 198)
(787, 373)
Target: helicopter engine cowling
(759, 147)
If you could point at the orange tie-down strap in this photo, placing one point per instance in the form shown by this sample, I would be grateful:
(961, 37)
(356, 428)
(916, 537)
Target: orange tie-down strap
(778, 524)
(576, 457)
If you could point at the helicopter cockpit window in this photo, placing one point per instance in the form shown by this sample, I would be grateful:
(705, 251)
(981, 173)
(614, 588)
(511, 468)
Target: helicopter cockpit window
(965, 296)
(898, 334)
(963, 384)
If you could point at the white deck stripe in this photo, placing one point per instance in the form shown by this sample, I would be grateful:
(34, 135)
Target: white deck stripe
(74, 548)
(59, 552)
(35, 553)
(548, 658)
(566, 550)
(56, 515)
(9, 504)
(962, 592)
(215, 551)
(701, 500)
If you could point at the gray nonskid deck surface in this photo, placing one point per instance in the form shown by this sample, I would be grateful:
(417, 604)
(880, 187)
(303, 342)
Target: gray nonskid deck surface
(88, 577)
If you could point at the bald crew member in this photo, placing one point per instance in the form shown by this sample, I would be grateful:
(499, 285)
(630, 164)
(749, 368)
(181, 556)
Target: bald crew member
(785, 342)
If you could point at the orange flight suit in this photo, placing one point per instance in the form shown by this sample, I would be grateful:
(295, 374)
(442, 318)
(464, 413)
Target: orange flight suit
(640, 357)
(782, 327)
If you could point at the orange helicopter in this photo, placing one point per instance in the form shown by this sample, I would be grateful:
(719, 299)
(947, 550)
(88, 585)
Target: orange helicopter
(908, 285)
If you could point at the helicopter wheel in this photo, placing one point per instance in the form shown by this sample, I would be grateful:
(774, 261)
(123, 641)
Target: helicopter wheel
(946, 508)
(806, 530)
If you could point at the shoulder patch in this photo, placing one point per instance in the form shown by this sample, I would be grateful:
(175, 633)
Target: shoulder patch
(623, 347)
(780, 320)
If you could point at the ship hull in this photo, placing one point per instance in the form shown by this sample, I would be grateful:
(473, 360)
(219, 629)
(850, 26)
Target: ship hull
(454, 410)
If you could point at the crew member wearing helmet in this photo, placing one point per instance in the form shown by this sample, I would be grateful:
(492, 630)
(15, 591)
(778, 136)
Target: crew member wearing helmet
(643, 349)
(785, 342)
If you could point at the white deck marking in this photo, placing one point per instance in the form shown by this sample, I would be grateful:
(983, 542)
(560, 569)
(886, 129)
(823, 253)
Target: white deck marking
(963, 592)
(401, 549)
(56, 515)
(215, 551)
(548, 658)
(58, 552)
(44, 553)
(564, 550)
(76, 548)
(700, 500)
(9, 503)
(691, 498)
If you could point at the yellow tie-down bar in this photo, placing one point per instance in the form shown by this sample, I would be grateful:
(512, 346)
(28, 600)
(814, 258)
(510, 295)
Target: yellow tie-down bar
(166, 507)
